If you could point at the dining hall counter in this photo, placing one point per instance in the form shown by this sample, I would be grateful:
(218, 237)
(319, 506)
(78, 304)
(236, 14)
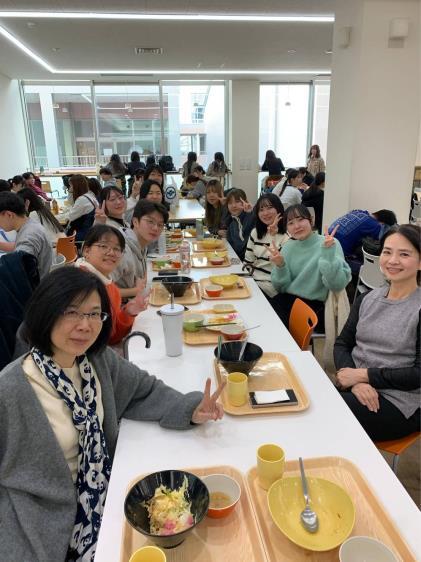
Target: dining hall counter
(326, 428)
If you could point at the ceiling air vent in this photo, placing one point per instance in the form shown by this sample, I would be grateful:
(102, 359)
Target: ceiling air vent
(148, 50)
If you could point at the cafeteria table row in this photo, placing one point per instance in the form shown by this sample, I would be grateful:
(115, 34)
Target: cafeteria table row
(326, 429)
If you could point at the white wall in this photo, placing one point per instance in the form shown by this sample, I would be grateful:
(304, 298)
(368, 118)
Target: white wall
(374, 110)
(244, 135)
(14, 157)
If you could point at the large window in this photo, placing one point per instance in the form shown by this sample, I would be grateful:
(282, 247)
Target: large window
(321, 114)
(284, 122)
(85, 124)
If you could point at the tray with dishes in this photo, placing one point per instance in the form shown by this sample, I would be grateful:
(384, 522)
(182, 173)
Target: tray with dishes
(209, 245)
(221, 287)
(161, 295)
(228, 533)
(204, 329)
(210, 259)
(166, 263)
(266, 371)
(334, 479)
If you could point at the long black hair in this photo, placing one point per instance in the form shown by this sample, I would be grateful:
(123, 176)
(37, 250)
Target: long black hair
(46, 217)
(275, 202)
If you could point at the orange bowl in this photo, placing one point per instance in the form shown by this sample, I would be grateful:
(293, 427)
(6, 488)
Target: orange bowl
(232, 332)
(224, 491)
(217, 260)
(214, 290)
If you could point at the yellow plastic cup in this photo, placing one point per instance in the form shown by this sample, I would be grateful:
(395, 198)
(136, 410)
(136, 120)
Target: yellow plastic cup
(148, 554)
(237, 387)
(270, 464)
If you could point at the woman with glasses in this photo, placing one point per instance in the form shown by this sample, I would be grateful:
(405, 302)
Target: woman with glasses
(60, 406)
(102, 251)
(269, 229)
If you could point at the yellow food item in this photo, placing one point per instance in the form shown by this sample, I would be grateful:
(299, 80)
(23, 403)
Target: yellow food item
(218, 500)
(226, 281)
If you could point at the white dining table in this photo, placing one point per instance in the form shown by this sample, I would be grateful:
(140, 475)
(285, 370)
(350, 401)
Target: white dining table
(326, 428)
(187, 210)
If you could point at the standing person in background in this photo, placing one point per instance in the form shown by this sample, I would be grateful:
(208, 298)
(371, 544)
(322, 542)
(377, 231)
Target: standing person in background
(37, 210)
(119, 170)
(190, 165)
(31, 237)
(132, 168)
(315, 162)
(82, 214)
(216, 213)
(30, 181)
(272, 164)
(241, 222)
(218, 168)
(314, 197)
(288, 191)
(269, 229)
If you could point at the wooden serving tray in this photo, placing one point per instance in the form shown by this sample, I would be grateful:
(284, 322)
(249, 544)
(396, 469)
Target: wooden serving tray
(234, 538)
(198, 246)
(201, 260)
(160, 296)
(371, 518)
(241, 291)
(272, 372)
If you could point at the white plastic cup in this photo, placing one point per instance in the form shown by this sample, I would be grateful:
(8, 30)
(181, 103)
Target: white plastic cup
(172, 323)
(367, 549)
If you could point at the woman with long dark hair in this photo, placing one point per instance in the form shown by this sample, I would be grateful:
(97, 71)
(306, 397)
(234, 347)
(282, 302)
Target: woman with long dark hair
(190, 165)
(314, 197)
(82, 214)
(218, 168)
(216, 212)
(377, 354)
(61, 404)
(36, 209)
(272, 164)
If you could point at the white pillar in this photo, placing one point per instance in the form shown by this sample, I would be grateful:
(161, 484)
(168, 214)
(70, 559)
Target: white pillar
(49, 124)
(374, 109)
(244, 135)
(14, 158)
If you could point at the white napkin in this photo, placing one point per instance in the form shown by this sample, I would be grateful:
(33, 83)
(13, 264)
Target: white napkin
(270, 396)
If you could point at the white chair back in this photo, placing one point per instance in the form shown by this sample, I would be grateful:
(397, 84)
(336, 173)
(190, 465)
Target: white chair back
(370, 274)
(58, 261)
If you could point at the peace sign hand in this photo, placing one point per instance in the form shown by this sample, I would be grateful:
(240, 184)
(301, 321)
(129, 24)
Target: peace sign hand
(273, 227)
(248, 207)
(329, 240)
(275, 255)
(209, 408)
(222, 200)
(100, 216)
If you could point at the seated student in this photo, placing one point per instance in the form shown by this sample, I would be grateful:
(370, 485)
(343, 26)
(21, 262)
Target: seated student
(31, 237)
(107, 178)
(308, 266)
(269, 229)
(112, 212)
(289, 193)
(189, 184)
(154, 172)
(17, 183)
(314, 197)
(352, 227)
(82, 214)
(216, 212)
(216, 169)
(241, 221)
(95, 187)
(149, 220)
(378, 352)
(272, 164)
(307, 178)
(102, 251)
(198, 185)
(36, 209)
(35, 184)
(61, 405)
(5, 186)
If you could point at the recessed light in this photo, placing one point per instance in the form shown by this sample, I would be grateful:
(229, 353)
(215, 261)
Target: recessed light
(328, 52)
(292, 51)
(31, 24)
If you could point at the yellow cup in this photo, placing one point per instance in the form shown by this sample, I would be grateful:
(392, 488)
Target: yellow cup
(270, 464)
(237, 387)
(148, 554)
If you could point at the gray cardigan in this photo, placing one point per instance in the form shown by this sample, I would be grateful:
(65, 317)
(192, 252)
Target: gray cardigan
(37, 494)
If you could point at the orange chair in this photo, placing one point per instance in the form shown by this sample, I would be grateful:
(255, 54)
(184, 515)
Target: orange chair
(67, 247)
(302, 321)
(397, 447)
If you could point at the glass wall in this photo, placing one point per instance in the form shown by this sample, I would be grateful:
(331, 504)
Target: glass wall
(321, 114)
(124, 117)
(284, 122)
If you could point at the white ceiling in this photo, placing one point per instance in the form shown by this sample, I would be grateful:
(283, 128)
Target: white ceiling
(104, 45)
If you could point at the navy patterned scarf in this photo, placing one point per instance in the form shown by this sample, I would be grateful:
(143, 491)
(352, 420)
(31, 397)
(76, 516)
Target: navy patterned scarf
(94, 465)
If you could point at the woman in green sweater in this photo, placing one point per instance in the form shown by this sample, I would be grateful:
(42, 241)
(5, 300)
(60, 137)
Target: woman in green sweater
(308, 266)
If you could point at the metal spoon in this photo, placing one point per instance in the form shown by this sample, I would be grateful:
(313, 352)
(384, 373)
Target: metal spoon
(308, 517)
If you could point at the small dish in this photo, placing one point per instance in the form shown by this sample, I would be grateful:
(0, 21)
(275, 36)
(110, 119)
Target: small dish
(193, 322)
(224, 493)
(232, 332)
(368, 549)
(223, 308)
(214, 290)
(216, 260)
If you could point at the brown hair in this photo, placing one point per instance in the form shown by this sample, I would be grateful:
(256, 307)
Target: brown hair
(213, 215)
(79, 184)
(317, 147)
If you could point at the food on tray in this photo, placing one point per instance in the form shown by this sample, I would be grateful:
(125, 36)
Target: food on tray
(214, 290)
(226, 281)
(210, 243)
(169, 510)
(223, 308)
(217, 500)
